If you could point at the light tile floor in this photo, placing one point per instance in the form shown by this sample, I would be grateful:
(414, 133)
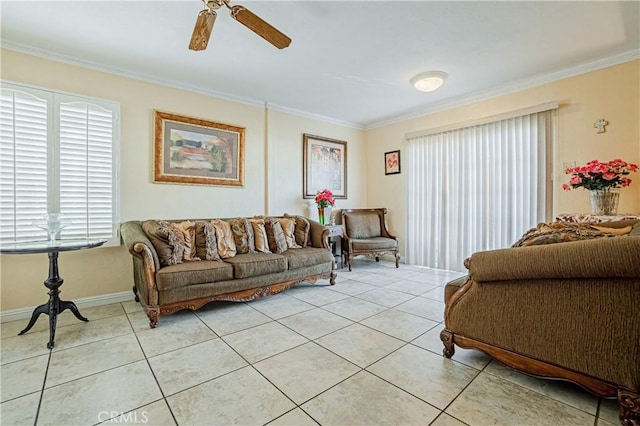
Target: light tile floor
(365, 351)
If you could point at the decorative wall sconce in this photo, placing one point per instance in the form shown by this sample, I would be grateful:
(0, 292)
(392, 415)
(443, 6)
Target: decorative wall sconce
(600, 125)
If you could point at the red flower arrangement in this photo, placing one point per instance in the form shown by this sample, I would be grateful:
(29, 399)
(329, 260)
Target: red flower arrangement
(324, 199)
(596, 175)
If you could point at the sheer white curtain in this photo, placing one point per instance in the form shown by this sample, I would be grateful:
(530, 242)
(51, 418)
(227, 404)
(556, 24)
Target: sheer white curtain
(476, 188)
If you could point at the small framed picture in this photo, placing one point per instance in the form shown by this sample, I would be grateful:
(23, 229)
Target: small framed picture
(392, 162)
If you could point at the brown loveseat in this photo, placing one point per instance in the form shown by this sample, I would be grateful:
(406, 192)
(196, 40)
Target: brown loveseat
(165, 289)
(567, 311)
(366, 233)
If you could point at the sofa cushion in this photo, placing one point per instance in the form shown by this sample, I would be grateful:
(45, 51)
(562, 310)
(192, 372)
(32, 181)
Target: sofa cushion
(206, 243)
(307, 256)
(275, 235)
(254, 264)
(289, 229)
(167, 239)
(188, 229)
(260, 235)
(242, 235)
(191, 273)
(363, 225)
(224, 237)
(376, 243)
(302, 230)
(559, 232)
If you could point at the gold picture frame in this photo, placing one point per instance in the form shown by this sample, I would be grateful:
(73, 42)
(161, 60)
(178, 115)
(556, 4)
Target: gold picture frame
(196, 151)
(324, 166)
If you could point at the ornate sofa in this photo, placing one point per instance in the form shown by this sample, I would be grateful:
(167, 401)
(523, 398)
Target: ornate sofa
(167, 288)
(568, 311)
(366, 233)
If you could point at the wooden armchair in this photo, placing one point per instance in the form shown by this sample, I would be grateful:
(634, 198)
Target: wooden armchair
(366, 233)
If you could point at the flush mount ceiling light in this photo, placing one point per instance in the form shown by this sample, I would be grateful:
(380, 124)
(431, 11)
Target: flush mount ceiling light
(428, 81)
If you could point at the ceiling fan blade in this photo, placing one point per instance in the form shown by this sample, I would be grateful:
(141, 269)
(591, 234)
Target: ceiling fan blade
(260, 27)
(202, 30)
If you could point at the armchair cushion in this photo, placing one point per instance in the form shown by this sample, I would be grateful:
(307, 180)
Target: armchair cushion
(375, 243)
(363, 225)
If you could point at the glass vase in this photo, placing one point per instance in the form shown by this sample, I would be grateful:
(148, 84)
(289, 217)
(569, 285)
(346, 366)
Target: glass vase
(604, 202)
(321, 215)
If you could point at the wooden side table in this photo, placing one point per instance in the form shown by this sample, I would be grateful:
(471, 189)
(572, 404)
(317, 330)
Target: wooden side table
(335, 238)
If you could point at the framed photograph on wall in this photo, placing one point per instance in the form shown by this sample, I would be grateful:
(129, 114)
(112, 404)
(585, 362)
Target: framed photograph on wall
(324, 166)
(197, 152)
(392, 162)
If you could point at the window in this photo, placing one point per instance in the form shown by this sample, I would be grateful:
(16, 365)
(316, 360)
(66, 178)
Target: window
(58, 153)
(476, 188)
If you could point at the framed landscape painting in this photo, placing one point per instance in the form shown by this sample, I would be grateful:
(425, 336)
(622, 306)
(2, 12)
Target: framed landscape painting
(392, 162)
(196, 151)
(324, 166)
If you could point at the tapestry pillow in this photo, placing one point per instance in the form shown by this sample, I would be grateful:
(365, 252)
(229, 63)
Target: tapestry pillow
(275, 235)
(289, 227)
(167, 239)
(188, 229)
(206, 243)
(242, 235)
(551, 233)
(302, 230)
(260, 235)
(224, 237)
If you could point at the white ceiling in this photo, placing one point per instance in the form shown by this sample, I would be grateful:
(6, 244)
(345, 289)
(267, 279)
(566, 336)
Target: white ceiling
(349, 61)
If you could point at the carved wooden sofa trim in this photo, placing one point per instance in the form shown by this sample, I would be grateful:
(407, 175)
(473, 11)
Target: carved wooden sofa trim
(366, 233)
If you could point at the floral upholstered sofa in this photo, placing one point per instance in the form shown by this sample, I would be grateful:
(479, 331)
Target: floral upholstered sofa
(184, 264)
(563, 304)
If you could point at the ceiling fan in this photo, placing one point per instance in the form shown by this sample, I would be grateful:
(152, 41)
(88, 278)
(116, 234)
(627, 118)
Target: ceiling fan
(206, 18)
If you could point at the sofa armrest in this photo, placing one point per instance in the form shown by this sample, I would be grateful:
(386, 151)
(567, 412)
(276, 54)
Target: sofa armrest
(134, 239)
(318, 234)
(615, 257)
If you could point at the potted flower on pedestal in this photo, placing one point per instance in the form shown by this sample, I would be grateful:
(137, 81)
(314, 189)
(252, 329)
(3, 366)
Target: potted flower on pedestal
(603, 181)
(324, 201)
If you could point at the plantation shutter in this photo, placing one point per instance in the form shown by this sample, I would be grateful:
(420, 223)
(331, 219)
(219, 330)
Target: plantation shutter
(23, 162)
(86, 169)
(58, 154)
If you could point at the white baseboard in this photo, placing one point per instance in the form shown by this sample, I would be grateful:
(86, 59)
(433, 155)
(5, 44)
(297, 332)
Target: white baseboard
(85, 302)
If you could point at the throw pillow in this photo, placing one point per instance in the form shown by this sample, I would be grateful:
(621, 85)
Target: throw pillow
(260, 235)
(551, 233)
(275, 235)
(188, 229)
(302, 230)
(289, 228)
(206, 242)
(242, 235)
(167, 239)
(224, 237)
(615, 231)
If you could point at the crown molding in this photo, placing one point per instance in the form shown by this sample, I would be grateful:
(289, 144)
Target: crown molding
(512, 87)
(482, 95)
(46, 54)
(304, 114)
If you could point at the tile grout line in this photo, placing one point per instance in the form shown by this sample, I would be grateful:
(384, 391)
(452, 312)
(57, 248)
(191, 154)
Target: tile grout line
(44, 381)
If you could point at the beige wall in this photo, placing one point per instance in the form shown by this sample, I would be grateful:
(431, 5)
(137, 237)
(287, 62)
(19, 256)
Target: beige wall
(273, 172)
(273, 164)
(612, 93)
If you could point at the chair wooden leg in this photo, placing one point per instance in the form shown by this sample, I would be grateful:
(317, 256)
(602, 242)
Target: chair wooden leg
(447, 339)
(135, 293)
(629, 405)
(397, 260)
